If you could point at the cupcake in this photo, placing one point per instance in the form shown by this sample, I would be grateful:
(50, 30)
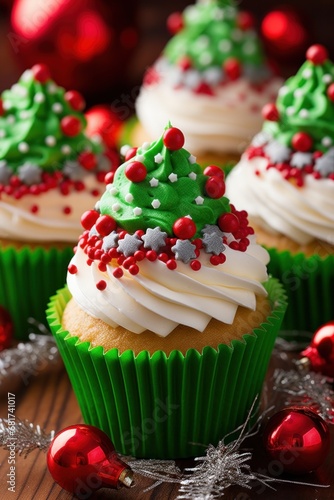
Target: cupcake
(169, 319)
(49, 173)
(285, 181)
(211, 80)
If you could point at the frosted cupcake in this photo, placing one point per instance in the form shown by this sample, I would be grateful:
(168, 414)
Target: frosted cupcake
(211, 80)
(285, 181)
(169, 319)
(49, 173)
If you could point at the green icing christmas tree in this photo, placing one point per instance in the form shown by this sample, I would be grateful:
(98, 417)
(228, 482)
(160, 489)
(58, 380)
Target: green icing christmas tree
(305, 105)
(214, 42)
(42, 130)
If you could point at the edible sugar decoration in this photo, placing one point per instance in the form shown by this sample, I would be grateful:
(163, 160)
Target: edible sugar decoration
(154, 239)
(154, 182)
(110, 241)
(213, 243)
(129, 244)
(277, 152)
(184, 250)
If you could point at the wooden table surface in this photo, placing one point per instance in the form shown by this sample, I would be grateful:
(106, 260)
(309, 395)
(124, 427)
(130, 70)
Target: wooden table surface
(48, 400)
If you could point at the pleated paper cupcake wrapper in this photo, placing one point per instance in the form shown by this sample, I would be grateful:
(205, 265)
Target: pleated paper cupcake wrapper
(158, 406)
(309, 284)
(28, 277)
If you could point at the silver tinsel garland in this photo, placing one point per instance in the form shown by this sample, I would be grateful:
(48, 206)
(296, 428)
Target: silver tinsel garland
(25, 435)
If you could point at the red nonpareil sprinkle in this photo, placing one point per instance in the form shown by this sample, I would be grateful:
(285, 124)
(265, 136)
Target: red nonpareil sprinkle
(72, 269)
(215, 260)
(109, 177)
(215, 187)
(89, 262)
(75, 100)
(128, 262)
(135, 171)
(79, 186)
(245, 20)
(232, 68)
(171, 264)
(102, 267)
(302, 141)
(41, 73)
(175, 22)
(70, 126)
(118, 273)
(270, 112)
(213, 170)
(67, 210)
(234, 245)
(89, 218)
(105, 225)
(163, 257)
(131, 152)
(34, 209)
(228, 223)
(139, 255)
(195, 265)
(184, 228)
(151, 255)
(330, 92)
(98, 254)
(87, 160)
(95, 192)
(101, 285)
(317, 54)
(257, 172)
(134, 269)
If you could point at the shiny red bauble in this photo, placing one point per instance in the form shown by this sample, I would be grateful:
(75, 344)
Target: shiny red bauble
(89, 218)
(82, 459)
(135, 171)
(228, 223)
(211, 170)
(70, 126)
(41, 73)
(105, 225)
(320, 352)
(6, 329)
(270, 112)
(317, 54)
(298, 438)
(173, 139)
(184, 228)
(215, 187)
(104, 121)
(302, 141)
(75, 100)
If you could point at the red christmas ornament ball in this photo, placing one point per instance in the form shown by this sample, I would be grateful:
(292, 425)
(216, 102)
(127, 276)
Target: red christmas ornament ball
(302, 141)
(41, 73)
(6, 329)
(173, 139)
(75, 100)
(215, 187)
(105, 225)
(320, 352)
(317, 54)
(228, 223)
(135, 171)
(270, 112)
(232, 68)
(82, 459)
(298, 438)
(212, 170)
(104, 121)
(184, 228)
(175, 22)
(89, 218)
(70, 126)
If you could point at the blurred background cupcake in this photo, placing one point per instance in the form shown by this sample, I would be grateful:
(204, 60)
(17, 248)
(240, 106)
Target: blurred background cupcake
(211, 80)
(169, 319)
(285, 180)
(49, 172)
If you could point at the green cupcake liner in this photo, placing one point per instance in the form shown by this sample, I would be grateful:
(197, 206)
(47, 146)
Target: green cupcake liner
(168, 407)
(309, 284)
(27, 279)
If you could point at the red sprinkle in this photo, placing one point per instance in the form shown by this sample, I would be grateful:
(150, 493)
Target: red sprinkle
(34, 209)
(118, 273)
(195, 265)
(67, 210)
(134, 269)
(102, 267)
(72, 269)
(151, 255)
(171, 264)
(101, 285)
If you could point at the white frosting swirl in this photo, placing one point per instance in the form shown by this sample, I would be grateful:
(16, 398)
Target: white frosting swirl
(224, 122)
(50, 222)
(159, 299)
(279, 206)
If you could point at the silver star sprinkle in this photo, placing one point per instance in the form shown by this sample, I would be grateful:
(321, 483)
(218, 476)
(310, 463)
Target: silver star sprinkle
(110, 241)
(30, 174)
(129, 244)
(154, 238)
(213, 243)
(184, 250)
(277, 152)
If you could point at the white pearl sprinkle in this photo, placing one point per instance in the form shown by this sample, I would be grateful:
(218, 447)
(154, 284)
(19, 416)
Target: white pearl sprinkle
(203, 41)
(290, 110)
(6, 105)
(11, 119)
(39, 97)
(283, 90)
(192, 176)
(146, 146)
(172, 177)
(57, 107)
(326, 141)
(154, 182)
(50, 140)
(237, 35)
(327, 78)
(66, 149)
(24, 114)
(52, 88)
(115, 207)
(124, 149)
(27, 75)
(155, 203)
(192, 159)
(158, 158)
(140, 158)
(225, 45)
(23, 147)
(298, 93)
(307, 73)
(218, 14)
(303, 113)
(128, 198)
(2, 134)
(205, 58)
(18, 89)
(111, 189)
(199, 200)
(137, 211)
(249, 48)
